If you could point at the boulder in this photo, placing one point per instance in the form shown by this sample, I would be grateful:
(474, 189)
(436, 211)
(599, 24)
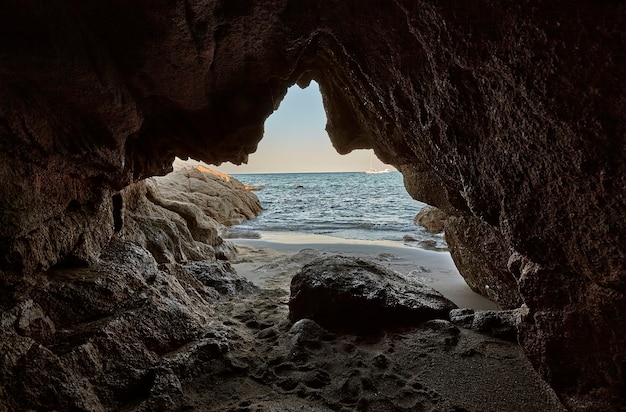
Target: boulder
(306, 333)
(355, 294)
(431, 218)
(197, 192)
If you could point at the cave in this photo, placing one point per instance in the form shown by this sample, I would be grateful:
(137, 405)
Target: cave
(508, 116)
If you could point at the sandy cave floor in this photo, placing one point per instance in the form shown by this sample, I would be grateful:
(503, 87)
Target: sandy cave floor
(276, 366)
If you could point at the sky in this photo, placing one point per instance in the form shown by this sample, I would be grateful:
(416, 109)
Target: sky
(295, 141)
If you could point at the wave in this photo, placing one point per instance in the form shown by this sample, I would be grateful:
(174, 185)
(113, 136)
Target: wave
(345, 205)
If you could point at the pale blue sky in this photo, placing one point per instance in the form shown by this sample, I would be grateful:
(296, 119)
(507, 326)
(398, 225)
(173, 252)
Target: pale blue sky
(295, 141)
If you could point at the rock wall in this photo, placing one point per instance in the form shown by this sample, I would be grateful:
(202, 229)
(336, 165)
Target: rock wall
(510, 113)
(124, 333)
(482, 256)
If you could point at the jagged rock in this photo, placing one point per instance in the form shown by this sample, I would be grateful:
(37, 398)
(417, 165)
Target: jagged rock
(462, 316)
(501, 324)
(431, 218)
(507, 112)
(220, 276)
(482, 257)
(351, 293)
(119, 333)
(306, 333)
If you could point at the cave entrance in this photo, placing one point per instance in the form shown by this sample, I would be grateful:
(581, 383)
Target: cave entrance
(309, 188)
(318, 200)
(295, 141)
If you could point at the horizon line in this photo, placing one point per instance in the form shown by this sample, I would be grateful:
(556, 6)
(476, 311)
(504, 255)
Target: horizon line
(304, 172)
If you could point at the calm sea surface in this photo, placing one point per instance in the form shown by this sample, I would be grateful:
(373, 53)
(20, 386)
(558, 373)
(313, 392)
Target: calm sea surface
(353, 205)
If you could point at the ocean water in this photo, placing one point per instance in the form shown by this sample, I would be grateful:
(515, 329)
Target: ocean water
(346, 205)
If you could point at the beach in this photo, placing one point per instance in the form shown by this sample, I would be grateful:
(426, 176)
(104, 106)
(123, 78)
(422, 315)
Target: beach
(276, 365)
(274, 259)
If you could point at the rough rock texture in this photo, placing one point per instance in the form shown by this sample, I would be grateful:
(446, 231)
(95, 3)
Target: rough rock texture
(178, 217)
(510, 112)
(501, 324)
(125, 332)
(198, 192)
(431, 218)
(356, 294)
(482, 256)
(122, 333)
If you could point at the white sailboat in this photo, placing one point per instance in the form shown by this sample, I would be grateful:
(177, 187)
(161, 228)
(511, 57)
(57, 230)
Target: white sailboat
(372, 171)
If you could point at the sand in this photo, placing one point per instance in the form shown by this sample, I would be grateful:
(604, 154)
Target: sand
(436, 366)
(271, 261)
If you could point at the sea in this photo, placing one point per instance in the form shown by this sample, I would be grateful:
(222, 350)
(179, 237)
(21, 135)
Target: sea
(345, 205)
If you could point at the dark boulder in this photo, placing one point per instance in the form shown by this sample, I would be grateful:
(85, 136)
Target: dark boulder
(351, 293)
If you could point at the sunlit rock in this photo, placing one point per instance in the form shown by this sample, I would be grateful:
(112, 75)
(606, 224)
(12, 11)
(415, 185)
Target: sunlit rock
(431, 218)
(178, 217)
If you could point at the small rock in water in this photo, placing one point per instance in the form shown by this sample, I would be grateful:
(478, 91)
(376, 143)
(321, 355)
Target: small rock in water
(356, 294)
(387, 257)
(428, 244)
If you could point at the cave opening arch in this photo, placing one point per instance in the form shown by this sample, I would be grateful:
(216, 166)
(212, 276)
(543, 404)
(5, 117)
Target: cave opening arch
(477, 97)
(305, 192)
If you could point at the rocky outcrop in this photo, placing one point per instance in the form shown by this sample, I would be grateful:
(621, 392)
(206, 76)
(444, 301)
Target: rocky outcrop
(511, 113)
(502, 324)
(126, 331)
(355, 294)
(199, 192)
(482, 256)
(178, 217)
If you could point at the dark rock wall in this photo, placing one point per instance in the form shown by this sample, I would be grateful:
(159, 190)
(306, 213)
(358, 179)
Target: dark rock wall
(508, 112)
(481, 254)
(133, 331)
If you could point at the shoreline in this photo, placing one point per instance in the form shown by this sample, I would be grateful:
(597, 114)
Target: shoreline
(273, 259)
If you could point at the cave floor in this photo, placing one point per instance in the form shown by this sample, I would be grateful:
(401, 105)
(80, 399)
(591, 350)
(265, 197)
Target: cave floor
(435, 366)
(276, 366)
